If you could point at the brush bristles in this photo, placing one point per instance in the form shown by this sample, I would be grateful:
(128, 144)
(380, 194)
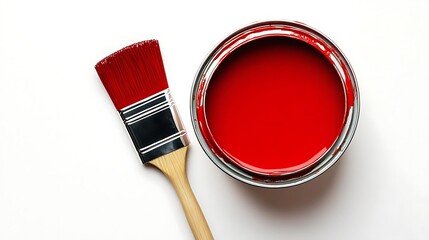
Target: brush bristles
(133, 73)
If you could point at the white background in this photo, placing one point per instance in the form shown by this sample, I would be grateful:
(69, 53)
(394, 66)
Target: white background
(68, 169)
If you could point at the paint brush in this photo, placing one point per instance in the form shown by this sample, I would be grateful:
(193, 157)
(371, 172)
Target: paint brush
(135, 80)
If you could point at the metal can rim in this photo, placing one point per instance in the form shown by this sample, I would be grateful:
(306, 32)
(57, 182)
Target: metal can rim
(322, 166)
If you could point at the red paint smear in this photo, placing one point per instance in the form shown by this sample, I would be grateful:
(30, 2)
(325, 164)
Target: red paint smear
(274, 105)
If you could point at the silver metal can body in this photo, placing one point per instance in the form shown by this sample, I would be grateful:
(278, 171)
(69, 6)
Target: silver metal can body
(281, 29)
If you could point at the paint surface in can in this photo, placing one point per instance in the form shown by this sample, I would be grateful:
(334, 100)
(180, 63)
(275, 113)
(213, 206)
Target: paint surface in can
(274, 105)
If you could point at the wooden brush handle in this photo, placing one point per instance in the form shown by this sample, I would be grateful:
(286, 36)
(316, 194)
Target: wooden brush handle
(173, 165)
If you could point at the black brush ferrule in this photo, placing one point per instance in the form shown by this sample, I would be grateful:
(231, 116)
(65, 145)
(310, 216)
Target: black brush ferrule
(155, 126)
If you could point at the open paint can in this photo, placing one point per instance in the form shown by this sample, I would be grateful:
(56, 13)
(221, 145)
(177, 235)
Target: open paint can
(275, 104)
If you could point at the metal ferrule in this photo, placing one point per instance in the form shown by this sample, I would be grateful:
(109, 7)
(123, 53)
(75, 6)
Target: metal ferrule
(154, 126)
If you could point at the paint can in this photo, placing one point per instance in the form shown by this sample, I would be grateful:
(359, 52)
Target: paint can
(275, 104)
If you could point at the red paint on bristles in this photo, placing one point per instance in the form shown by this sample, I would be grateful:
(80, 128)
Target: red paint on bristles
(133, 73)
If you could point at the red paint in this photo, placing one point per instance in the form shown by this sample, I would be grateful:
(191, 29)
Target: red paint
(133, 73)
(274, 105)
